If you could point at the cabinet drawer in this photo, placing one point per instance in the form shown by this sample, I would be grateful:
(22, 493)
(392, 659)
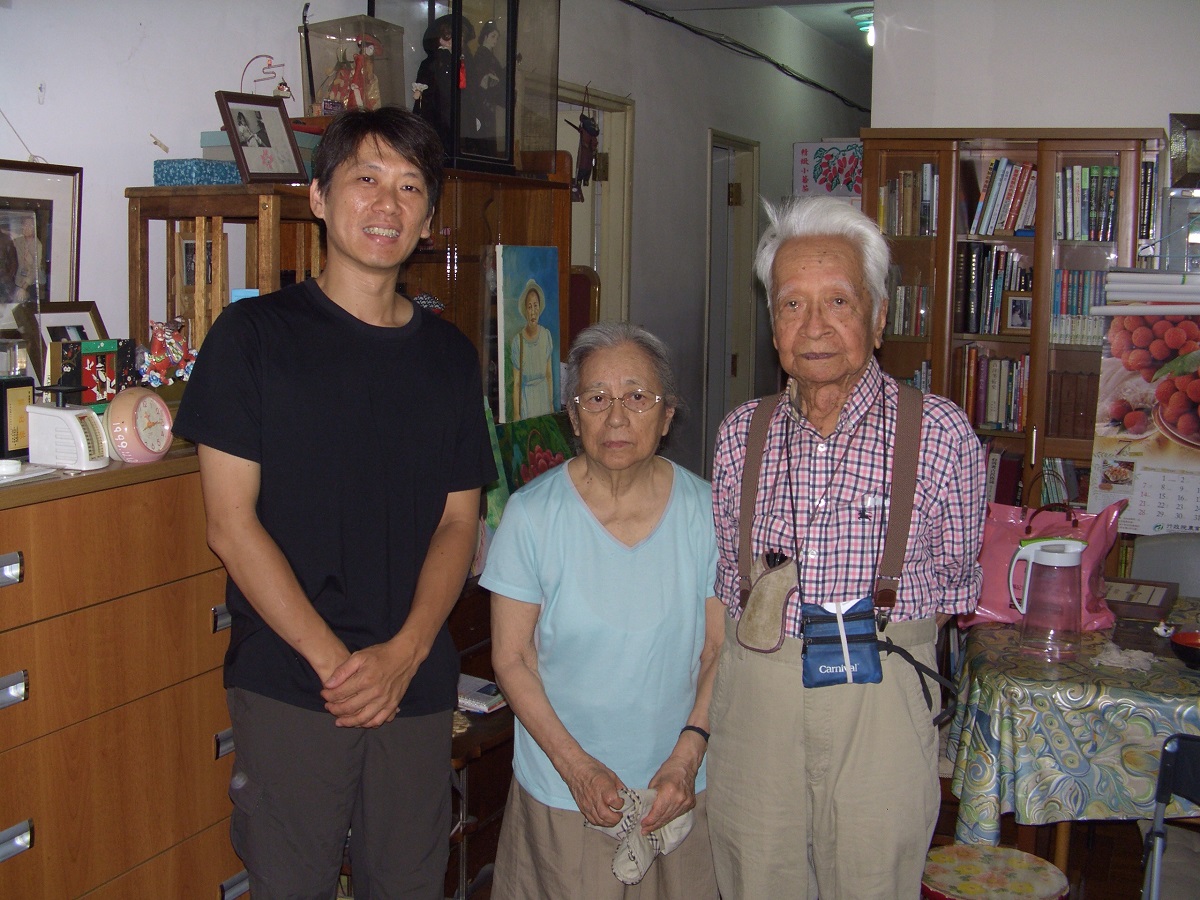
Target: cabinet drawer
(115, 790)
(84, 549)
(99, 658)
(196, 869)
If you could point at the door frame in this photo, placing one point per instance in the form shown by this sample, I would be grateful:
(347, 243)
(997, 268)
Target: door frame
(743, 241)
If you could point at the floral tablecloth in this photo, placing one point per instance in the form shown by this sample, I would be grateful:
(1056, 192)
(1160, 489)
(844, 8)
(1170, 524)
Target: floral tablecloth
(1063, 742)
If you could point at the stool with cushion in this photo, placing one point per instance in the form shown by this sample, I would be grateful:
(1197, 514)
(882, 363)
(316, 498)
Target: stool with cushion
(962, 871)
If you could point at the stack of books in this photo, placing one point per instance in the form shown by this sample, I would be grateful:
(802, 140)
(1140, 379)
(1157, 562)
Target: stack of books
(479, 695)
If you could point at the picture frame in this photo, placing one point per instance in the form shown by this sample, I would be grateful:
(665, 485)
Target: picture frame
(40, 206)
(81, 322)
(1184, 135)
(1149, 601)
(260, 134)
(1016, 312)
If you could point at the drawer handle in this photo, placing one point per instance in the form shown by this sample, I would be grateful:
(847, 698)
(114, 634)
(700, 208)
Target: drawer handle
(223, 741)
(16, 840)
(235, 886)
(12, 568)
(221, 618)
(14, 688)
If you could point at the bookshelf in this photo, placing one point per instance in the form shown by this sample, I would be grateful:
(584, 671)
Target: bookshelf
(1008, 270)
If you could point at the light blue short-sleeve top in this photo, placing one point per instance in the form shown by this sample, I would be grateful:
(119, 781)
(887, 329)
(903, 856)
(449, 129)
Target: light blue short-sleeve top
(621, 628)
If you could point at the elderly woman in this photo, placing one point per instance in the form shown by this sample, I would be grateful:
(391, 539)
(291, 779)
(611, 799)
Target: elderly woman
(835, 785)
(532, 355)
(605, 633)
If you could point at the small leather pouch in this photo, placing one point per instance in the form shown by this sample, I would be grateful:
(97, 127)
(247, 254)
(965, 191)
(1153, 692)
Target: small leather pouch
(761, 626)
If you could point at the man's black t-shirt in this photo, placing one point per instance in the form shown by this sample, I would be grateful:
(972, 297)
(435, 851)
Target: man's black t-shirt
(360, 432)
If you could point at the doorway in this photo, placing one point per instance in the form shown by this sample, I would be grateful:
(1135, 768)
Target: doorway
(730, 324)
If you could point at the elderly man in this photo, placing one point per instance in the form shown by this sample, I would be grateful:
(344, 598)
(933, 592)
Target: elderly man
(834, 789)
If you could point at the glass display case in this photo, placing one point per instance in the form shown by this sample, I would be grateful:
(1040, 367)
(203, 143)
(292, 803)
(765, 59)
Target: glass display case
(485, 77)
(356, 62)
(1180, 248)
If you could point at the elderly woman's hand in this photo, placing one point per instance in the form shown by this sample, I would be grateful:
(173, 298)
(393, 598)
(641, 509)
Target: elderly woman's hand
(594, 787)
(675, 782)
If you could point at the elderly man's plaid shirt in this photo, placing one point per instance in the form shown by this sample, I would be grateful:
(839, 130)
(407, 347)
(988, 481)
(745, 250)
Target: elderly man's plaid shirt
(822, 502)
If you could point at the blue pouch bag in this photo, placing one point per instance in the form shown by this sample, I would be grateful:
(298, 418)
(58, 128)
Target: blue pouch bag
(840, 648)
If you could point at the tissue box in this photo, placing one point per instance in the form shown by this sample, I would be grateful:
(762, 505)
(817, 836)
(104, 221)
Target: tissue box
(175, 172)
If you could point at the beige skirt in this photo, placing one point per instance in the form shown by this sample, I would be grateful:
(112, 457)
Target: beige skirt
(548, 854)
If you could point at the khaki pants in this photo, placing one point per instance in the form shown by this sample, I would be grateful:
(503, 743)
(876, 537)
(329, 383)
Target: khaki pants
(834, 785)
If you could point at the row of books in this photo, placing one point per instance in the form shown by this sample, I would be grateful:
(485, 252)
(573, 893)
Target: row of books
(1064, 482)
(908, 203)
(908, 310)
(1003, 484)
(993, 390)
(1071, 404)
(982, 273)
(1076, 291)
(1085, 202)
(1008, 199)
(922, 377)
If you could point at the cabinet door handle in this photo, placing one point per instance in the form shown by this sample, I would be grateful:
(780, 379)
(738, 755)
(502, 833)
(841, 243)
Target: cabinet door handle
(235, 885)
(16, 840)
(221, 618)
(12, 568)
(14, 688)
(223, 742)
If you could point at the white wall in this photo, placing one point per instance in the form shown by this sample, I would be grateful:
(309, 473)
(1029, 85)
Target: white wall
(117, 71)
(1034, 63)
(683, 85)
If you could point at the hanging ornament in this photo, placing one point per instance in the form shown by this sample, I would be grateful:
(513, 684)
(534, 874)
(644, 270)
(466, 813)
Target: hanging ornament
(589, 140)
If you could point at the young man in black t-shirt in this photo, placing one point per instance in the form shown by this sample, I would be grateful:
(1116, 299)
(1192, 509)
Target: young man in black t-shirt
(342, 448)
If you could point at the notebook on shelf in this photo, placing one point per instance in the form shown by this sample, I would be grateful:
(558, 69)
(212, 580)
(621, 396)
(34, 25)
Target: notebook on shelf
(479, 695)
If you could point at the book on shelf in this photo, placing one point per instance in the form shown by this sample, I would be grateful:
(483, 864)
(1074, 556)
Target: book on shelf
(1148, 198)
(479, 695)
(993, 470)
(1060, 212)
(985, 193)
(1029, 205)
(999, 189)
(1008, 478)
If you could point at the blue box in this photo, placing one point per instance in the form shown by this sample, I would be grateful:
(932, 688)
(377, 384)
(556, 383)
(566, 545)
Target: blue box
(175, 172)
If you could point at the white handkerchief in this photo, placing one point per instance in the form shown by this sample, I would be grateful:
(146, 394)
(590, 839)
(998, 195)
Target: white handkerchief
(636, 851)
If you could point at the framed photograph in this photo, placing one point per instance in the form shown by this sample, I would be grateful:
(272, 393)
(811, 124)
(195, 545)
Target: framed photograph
(260, 133)
(1185, 150)
(39, 236)
(1016, 313)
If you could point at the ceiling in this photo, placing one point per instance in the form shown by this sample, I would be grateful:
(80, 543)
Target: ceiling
(829, 19)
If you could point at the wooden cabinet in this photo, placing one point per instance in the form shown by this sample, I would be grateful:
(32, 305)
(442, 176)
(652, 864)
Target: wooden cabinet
(937, 256)
(111, 655)
(476, 210)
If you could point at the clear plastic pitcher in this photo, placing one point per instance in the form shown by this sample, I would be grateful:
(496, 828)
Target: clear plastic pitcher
(1051, 603)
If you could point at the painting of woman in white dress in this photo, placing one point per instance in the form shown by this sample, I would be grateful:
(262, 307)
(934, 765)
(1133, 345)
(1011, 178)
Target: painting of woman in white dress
(527, 289)
(532, 355)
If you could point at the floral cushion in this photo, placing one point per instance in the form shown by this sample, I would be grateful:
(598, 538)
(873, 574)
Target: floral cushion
(962, 871)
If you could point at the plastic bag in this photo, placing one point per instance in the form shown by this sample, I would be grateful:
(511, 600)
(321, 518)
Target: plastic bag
(1003, 531)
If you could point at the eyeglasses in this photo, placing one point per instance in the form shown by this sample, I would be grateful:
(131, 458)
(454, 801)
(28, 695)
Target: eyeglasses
(634, 401)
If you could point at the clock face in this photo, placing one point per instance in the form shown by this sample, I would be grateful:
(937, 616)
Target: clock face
(151, 424)
(138, 422)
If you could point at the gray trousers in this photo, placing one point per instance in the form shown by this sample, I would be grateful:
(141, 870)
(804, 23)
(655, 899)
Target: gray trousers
(300, 783)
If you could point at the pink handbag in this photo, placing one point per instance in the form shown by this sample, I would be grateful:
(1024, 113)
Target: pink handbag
(1007, 526)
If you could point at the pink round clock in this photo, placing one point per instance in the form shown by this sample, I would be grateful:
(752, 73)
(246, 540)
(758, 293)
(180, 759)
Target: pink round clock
(138, 423)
